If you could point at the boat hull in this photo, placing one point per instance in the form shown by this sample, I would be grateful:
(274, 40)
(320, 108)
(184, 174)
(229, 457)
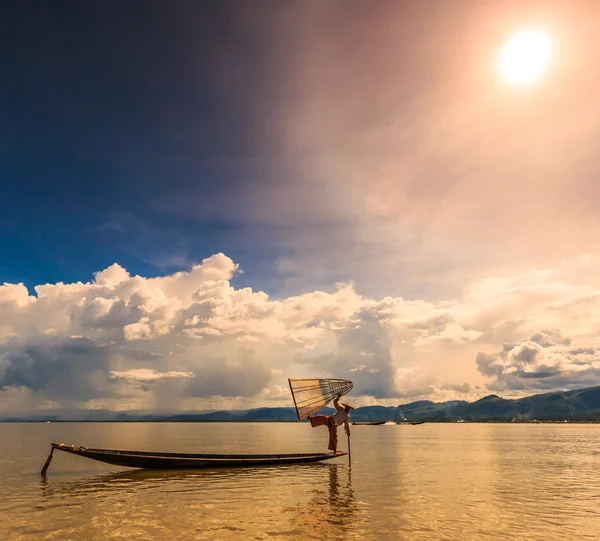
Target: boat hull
(180, 461)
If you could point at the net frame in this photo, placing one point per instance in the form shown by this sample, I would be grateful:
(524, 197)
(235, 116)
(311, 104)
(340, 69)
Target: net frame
(312, 394)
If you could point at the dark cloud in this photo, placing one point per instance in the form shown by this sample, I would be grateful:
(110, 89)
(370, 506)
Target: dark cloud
(78, 370)
(365, 356)
(73, 369)
(243, 375)
(549, 338)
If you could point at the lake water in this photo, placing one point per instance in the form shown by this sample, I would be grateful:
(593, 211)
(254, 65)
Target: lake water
(446, 482)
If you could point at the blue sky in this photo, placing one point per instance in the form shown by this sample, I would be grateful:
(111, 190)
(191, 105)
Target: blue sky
(312, 144)
(404, 214)
(111, 115)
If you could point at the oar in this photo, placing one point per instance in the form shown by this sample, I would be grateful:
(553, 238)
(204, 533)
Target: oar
(349, 453)
(48, 460)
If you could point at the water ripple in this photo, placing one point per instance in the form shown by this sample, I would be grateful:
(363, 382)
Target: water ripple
(428, 482)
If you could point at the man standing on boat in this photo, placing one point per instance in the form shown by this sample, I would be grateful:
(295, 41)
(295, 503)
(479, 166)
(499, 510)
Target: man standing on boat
(341, 416)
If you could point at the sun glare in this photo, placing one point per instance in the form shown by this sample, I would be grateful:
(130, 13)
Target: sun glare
(525, 56)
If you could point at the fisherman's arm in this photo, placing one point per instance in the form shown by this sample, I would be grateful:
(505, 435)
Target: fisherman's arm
(336, 404)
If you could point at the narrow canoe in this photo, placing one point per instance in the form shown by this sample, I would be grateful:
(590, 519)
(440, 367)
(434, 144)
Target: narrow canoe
(370, 423)
(163, 461)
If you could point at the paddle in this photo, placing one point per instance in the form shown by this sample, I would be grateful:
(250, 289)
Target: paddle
(48, 460)
(349, 454)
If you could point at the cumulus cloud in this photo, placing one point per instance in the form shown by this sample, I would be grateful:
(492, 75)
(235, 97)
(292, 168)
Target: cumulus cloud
(192, 336)
(191, 340)
(545, 361)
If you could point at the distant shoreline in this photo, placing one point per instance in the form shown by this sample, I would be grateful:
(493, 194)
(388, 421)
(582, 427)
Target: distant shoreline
(487, 421)
(580, 406)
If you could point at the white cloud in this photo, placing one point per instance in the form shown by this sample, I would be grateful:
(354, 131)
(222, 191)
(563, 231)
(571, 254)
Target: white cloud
(452, 332)
(112, 276)
(147, 374)
(545, 361)
(275, 393)
(192, 338)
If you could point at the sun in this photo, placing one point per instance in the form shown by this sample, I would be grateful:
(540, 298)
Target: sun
(525, 56)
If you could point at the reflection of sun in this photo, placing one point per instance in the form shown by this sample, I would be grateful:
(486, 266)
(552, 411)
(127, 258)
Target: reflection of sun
(525, 56)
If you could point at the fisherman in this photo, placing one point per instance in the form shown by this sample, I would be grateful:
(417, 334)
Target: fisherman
(341, 416)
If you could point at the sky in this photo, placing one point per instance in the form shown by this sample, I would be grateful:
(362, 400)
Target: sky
(202, 199)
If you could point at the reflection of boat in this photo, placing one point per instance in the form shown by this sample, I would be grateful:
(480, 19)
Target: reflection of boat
(153, 460)
(106, 482)
(315, 497)
(370, 423)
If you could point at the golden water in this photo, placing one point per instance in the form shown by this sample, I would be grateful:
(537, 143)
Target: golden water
(428, 482)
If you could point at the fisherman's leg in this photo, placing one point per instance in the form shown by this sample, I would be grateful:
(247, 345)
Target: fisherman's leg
(318, 420)
(333, 437)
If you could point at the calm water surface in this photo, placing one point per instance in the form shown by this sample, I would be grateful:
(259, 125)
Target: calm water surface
(426, 482)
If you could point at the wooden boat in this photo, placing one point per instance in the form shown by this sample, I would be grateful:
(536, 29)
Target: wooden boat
(163, 461)
(417, 422)
(370, 423)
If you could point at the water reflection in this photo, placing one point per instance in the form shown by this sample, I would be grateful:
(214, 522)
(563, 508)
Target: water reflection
(332, 511)
(145, 479)
(218, 498)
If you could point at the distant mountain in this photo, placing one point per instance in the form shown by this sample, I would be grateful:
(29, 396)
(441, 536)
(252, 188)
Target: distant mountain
(580, 405)
(425, 410)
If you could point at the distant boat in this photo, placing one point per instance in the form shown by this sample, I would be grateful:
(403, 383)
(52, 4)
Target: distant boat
(178, 461)
(369, 423)
(417, 422)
